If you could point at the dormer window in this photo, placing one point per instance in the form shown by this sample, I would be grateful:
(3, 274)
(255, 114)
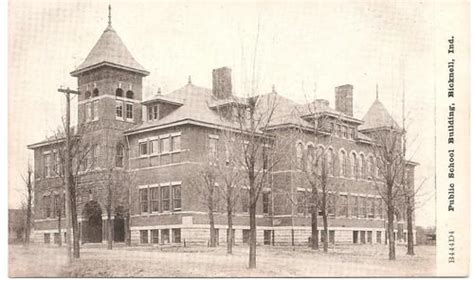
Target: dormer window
(95, 92)
(119, 92)
(129, 94)
(152, 112)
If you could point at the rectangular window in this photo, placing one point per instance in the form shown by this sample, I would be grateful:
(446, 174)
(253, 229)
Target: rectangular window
(144, 200)
(364, 207)
(119, 109)
(56, 238)
(143, 148)
(267, 237)
(47, 238)
(95, 110)
(266, 202)
(213, 148)
(47, 165)
(245, 236)
(144, 236)
(380, 208)
(343, 211)
(165, 236)
(176, 143)
(176, 197)
(57, 205)
(153, 147)
(331, 204)
(153, 112)
(129, 111)
(300, 202)
(165, 144)
(176, 235)
(155, 236)
(165, 198)
(94, 154)
(355, 206)
(154, 199)
(371, 207)
(47, 206)
(245, 200)
(88, 112)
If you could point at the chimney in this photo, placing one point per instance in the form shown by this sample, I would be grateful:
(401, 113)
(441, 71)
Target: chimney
(222, 82)
(344, 99)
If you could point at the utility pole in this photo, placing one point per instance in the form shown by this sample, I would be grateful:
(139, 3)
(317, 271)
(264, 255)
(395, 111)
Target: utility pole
(67, 170)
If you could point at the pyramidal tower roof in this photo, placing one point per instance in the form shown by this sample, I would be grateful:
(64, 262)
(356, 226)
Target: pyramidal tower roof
(110, 50)
(378, 117)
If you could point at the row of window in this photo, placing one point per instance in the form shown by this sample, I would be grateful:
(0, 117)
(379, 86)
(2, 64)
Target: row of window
(57, 238)
(162, 144)
(345, 205)
(53, 206)
(160, 198)
(153, 236)
(53, 162)
(119, 110)
(344, 131)
(355, 165)
(92, 111)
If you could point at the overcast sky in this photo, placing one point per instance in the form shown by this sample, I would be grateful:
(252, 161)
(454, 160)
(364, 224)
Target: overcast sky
(304, 48)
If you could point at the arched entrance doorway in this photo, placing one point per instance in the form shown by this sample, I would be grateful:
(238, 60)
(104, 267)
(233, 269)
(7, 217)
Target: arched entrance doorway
(92, 224)
(119, 225)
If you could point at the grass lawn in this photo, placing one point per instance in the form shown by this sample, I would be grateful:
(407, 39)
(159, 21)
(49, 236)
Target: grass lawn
(343, 260)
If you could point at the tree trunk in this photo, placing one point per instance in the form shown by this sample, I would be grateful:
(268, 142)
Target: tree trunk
(28, 210)
(128, 236)
(253, 232)
(325, 232)
(212, 229)
(74, 222)
(110, 229)
(59, 228)
(314, 228)
(391, 233)
(230, 238)
(410, 243)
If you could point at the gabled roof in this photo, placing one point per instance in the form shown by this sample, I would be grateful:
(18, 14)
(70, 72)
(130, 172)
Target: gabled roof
(110, 50)
(195, 106)
(378, 117)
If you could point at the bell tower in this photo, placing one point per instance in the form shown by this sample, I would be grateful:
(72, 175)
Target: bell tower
(110, 83)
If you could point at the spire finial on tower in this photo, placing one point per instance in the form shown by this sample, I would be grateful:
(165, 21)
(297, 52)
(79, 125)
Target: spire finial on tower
(110, 15)
(376, 91)
(189, 80)
(273, 88)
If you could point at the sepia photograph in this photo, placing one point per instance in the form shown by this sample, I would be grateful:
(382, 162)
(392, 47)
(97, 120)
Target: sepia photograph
(238, 138)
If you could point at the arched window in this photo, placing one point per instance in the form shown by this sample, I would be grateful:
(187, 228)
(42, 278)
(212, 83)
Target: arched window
(330, 161)
(87, 95)
(299, 155)
(95, 92)
(320, 160)
(370, 166)
(362, 166)
(119, 92)
(310, 158)
(119, 155)
(342, 163)
(129, 94)
(354, 165)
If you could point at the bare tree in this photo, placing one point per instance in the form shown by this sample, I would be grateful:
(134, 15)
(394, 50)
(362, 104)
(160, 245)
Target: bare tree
(29, 203)
(80, 150)
(260, 152)
(389, 174)
(230, 174)
(205, 180)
